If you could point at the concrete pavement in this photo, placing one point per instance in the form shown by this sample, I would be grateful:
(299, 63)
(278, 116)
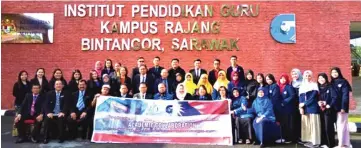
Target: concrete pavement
(7, 141)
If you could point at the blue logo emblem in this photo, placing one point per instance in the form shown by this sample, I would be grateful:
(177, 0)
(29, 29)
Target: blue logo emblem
(283, 28)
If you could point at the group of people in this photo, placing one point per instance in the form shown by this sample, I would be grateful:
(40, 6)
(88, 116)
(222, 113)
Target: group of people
(264, 110)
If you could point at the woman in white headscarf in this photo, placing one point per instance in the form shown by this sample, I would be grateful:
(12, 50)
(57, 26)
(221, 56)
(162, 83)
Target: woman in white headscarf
(310, 111)
(181, 93)
(296, 83)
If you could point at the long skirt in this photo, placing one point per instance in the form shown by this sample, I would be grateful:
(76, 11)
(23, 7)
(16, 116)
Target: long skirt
(328, 119)
(266, 131)
(343, 132)
(287, 127)
(311, 128)
(244, 126)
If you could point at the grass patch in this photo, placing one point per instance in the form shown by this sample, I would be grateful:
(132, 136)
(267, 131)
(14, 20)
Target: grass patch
(354, 118)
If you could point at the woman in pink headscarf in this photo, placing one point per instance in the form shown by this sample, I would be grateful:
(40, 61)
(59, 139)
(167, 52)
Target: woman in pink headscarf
(98, 67)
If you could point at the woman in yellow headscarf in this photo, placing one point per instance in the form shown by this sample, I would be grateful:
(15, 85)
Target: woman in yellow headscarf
(221, 81)
(203, 80)
(189, 84)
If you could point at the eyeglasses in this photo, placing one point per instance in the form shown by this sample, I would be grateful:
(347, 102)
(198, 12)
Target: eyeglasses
(141, 61)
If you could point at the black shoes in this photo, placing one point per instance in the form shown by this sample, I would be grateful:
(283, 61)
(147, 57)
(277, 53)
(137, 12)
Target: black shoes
(34, 140)
(46, 141)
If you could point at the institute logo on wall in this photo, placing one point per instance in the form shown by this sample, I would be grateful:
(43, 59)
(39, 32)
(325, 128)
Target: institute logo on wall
(283, 28)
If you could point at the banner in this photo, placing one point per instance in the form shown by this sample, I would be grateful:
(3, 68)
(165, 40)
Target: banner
(120, 120)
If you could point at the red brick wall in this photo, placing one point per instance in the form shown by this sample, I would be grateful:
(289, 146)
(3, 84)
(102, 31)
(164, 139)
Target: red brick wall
(322, 41)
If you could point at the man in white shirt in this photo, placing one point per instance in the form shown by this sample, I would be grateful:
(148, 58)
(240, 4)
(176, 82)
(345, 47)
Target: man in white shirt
(124, 91)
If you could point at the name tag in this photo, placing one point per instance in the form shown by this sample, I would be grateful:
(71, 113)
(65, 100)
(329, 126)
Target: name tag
(270, 91)
(285, 92)
(339, 85)
(328, 91)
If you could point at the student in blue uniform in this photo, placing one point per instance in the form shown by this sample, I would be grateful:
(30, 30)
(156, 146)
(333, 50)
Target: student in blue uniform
(310, 111)
(265, 127)
(274, 95)
(261, 80)
(287, 108)
(296, 83)
(243, 118)
(328, 113)
(342, 88)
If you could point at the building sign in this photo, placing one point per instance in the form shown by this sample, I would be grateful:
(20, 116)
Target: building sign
(27, 28)
(283, 28)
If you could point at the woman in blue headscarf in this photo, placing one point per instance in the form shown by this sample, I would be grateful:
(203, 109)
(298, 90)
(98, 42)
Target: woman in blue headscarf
(265, 127)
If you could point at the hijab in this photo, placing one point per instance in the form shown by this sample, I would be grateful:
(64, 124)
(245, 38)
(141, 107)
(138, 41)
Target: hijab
(98, 69)
(180, 95)
(235, 82)
(206, 84)
(297, 83)
(189, 86)
(262, 103)
(307, 86)
(221, 82)
(282, 86)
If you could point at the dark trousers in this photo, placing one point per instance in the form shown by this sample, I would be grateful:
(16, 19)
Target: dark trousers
(22, 127)
(234, 129)
(245, 129)
(55, 123)
(328, 119)
(74, 124)
(297, 125)
(287, 127)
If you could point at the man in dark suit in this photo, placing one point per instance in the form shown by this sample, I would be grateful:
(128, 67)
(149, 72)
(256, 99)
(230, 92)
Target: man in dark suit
(156, 69)
(135, 71)
(143, 77)
(79, 110)
(235, 67)
(197, 71)
(123, 91)
(213, 74)
(176, 69)
(30, 109)
(167, 81)
(143, 92)
(56, 107)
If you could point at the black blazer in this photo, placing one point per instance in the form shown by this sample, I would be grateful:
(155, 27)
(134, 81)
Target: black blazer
(172, 73)
(44, 85)
(240, 73)
(135, 72)
(187, 97)
(147, 96)
(128, 82)
(149, 80)
(105, 71)
(25, 108)
(195, 78)
(52, 84)
(87, 98)
(73, 86)
(126, 96)
(170, 85)
(212, 76)
(92, 86)
(207, 97)
(65, 102)
(19, 92)
(156, 74)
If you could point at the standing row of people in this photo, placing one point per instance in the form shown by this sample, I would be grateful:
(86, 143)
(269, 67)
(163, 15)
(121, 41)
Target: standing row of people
(301, 107)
